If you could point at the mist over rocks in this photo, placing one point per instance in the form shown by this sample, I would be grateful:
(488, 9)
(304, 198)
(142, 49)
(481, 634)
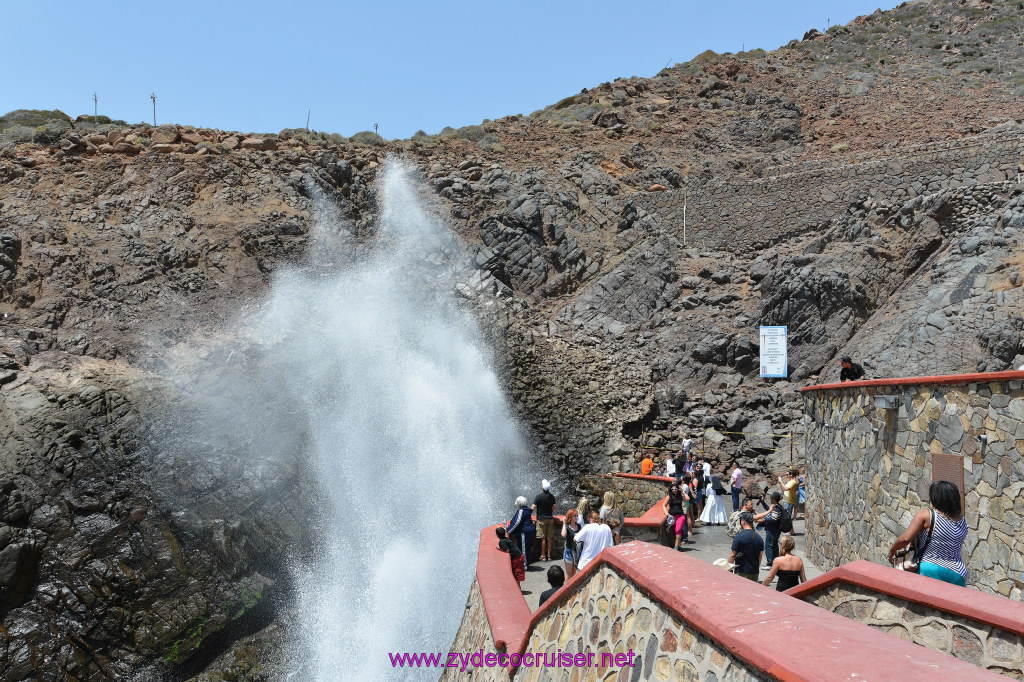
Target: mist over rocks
(860, 186)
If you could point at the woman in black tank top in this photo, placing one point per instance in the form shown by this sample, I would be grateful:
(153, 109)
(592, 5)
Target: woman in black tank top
(787, 566)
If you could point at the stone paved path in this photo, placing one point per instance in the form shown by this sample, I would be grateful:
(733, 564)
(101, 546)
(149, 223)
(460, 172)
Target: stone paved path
(711, 542)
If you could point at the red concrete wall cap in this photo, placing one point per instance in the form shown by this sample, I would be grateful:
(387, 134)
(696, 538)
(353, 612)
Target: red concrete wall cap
(989, 609)
(659, 479)
(978, 378)
(507, 611)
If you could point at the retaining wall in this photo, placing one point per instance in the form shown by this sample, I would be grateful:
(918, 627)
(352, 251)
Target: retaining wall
(863, 487)
(634, 493)
(675, 617)
(981, 629)
(803, 196)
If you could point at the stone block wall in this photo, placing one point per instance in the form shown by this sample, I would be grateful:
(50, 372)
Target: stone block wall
(864, 487)
(634, 494)
(474, 634)
(792, 199)
(611, 614)
(970, 641)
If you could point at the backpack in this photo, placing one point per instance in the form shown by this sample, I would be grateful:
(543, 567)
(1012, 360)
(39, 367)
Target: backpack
(785, 520)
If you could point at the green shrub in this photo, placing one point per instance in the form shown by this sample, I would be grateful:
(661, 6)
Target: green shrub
(34, 117)
(567, 102)
(489, 142)
(367, 137)
(472, 133)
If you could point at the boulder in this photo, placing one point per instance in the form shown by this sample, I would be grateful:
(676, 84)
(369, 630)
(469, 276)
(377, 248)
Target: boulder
(191, 138)
(165, 134)
(756, 434)
(259, 143)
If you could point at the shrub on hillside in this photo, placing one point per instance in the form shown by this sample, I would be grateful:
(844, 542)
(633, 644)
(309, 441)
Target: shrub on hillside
(367, 137)
(472, 133)
(489, 142)
(34, 117)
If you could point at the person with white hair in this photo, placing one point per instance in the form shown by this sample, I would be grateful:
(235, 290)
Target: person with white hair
(544, 505)
(521, 528)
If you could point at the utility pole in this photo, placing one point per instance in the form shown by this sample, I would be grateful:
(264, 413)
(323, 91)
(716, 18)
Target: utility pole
(308, 113)
(95, 107)
(375, 129)
(152, 96)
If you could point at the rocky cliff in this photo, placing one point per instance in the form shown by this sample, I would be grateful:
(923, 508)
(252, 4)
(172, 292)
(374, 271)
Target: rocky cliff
(620, 247)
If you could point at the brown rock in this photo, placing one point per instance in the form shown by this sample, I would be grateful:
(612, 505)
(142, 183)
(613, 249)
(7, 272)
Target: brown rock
(97, 139)
(113, 136)
(657, 188)
(126, 148)
(166, 134)
(230, 142)
(163, 148)
(106, 149)
(260, 143)
(191, 138)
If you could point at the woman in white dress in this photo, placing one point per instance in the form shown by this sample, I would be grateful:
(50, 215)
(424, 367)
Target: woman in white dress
(714, 510)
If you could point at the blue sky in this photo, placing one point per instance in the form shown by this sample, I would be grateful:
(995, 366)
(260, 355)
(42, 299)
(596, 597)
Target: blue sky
(259, 66)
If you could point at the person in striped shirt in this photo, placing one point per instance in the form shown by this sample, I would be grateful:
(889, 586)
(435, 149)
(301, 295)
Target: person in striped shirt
(942, 559)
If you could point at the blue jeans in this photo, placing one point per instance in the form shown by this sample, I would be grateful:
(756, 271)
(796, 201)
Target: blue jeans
(528, 537)
(736, 499)
(771, 546)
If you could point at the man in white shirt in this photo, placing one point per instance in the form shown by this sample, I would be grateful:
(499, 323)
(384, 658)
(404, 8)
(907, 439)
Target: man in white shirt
(594, 537)
(736, 483)
(670, 467)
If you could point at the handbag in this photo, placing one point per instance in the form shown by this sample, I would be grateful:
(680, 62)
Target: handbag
(670, 521)
(903, 561)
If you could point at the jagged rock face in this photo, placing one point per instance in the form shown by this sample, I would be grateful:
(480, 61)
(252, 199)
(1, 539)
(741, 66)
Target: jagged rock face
(621, 248)
(102, 538)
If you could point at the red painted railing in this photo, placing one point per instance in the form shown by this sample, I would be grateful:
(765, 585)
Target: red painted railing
(945, 379)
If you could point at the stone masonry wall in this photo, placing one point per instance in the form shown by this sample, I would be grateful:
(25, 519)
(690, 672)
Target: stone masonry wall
(612, 615)
(968, 640)
(634, 495)
(474, 634)
(803, 196)
(863, 487)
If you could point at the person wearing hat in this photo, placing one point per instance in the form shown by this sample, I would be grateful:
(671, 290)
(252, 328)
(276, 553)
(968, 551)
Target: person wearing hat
(544, 505)
(851, 370)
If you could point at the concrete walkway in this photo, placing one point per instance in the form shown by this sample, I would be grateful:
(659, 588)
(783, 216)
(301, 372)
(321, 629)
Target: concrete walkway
(710, 543)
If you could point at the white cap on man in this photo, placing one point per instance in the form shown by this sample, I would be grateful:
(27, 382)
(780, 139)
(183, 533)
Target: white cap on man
(545, 485)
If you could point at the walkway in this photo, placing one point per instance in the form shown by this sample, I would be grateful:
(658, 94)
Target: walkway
(711, 542)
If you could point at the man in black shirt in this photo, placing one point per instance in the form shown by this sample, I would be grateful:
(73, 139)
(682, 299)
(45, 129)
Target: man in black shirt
(746, 548)
(851, 370)
(544, 505)
(680, 462)
(556, 578)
